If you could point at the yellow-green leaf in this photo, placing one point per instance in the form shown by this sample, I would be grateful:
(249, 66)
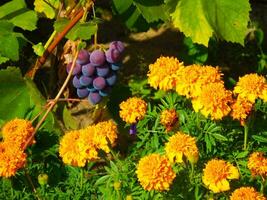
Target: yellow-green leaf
(47, 7)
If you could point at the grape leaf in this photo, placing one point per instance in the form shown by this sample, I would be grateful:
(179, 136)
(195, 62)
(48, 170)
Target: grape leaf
(200, 19)
(11, 7)
(138, 14)
(26, 20)
(80, 30)
(47, 7)
(3, 59)
(9, 47)
(14, 101)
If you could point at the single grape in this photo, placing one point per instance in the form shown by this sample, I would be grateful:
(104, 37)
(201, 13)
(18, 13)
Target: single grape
(88, 69)
(82, 92)
(85, 80)
(97, 57)
(115, 66)
(77, 68)
(111, 79)
(133, 129)
(105, 92)
(91, 88)
(117, 45)
(99, 83)
(94, 97)
(102, 70)
(112, 55)
(76, 82)
(83, 57)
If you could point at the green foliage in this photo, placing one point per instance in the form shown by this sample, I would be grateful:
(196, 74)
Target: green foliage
(14, 14)
(48, 7)
(139, 14)
(82, 30)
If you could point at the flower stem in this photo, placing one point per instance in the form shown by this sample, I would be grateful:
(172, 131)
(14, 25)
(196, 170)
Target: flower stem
(245, 136)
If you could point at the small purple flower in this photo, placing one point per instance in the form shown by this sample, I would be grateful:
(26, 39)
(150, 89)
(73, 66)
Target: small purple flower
(132, 130)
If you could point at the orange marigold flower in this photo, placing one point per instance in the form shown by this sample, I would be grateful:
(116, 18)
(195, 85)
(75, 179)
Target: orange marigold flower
(241, 108)
(132, 110)
(17, 132)
(191, 79)
(213, 101)
(257, 164)
(162, 73)
(76, 148)
(250, 87)
(154, 172)
(12, 158)
(246, 193)
(216, 173)
(263, 96)
(182, 145)
(168, 118)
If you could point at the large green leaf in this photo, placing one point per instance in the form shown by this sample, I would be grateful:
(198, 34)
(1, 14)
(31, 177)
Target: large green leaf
(14, 101)
(9, 47)
(20, 98)
(200, 19)
(26, 20)
(11, 7)
(48, 7)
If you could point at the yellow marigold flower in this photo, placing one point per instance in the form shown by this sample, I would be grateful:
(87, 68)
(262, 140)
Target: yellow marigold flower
(76, 148)
(191, 79)
(12, 158)
(17, 132)
(250, 87)
(182, 145)
(257, 164)
(263, 96)
(241, 109)
(162, 73)
(168, 118)
(216, 173)
(213, 101)
(108, 129)
(154, 172)
(132, 110)
(246, 193)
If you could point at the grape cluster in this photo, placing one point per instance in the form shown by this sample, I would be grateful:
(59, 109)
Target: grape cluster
(95, 72)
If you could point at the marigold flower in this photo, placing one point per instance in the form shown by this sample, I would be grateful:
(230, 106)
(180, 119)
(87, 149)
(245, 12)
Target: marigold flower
(263, 96)
(241, 108)
(191, 79)
(246, 193)
(216, 173)
(12, 158)
(17, 132)
(162, 73)
(132, 110)
(213, 101)
(250, 87)
(168, 118)
(257, 164)
(182, 145)
(154, 172)
(76, 148)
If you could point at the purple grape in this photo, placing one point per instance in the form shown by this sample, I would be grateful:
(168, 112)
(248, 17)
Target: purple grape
(102, 70)
(88, 69)
(97, 57)
(117, 45)
(104, 92)
(83, 57)
(85, 80)
(132, 130)
(83, 92)
(76, 82)
(112, 55)
(115, 66)
(77, 68)
(94, 97)
(99, 83)
(91, 88)
(111, 79)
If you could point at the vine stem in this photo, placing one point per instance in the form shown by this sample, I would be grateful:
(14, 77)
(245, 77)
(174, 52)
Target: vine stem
(31, 183)
(67, 99)
(245, 136)
(53, 102)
